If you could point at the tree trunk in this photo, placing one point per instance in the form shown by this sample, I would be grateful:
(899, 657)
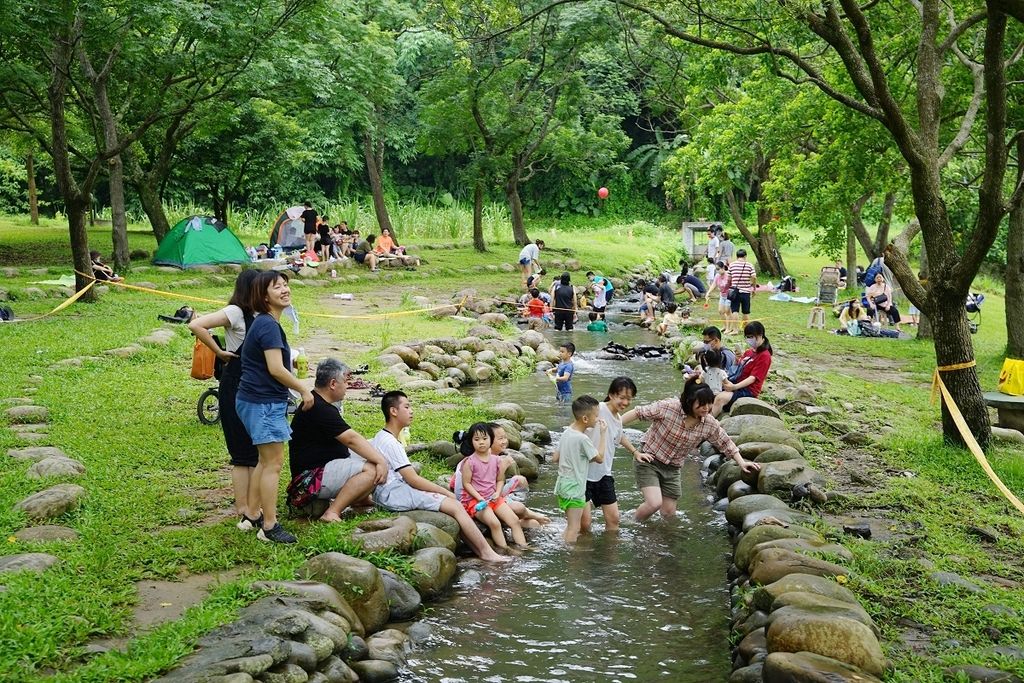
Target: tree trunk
(924, 323)
(851, 260)
(33, 197)
(220, 204)
(766, 262)
(953, 347)
(118, 215)
(478, 217)
(149, 197)
(374, 156)
(515, 207)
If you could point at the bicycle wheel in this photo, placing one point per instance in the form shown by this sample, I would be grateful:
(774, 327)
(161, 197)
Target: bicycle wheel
(208, 407)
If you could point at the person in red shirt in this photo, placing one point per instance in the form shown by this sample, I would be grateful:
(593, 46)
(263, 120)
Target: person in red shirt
(754, 365)
(535, 306)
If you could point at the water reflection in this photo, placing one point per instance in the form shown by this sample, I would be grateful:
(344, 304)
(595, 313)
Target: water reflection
(648, 603)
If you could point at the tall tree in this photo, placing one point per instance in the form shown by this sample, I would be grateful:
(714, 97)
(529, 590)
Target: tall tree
(802, 44)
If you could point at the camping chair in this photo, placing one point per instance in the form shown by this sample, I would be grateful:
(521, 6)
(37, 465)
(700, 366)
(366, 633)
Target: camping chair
(973, 306)
(828, 285)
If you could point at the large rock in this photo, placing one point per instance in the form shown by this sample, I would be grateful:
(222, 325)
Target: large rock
(785, 516)
(806, 546)
(781, 477)
(821, 605)
(395, 533)
(27, 414)
(547, 352)
(445, 523)
(741, 507)
(807, 667)
(429, 536)
(494, 319)
(765, 596)
(837, 637)
(536, 433)
(527, 466)
(320, 592)
(752, 449)
(736, 425)
(403, 600)
(753, 406)
(357, 580)
(36, 453)
(56, 466)
(532, 338)
(510, 411)
(375, 671)
(771, 564)
(980, 674)
(52, 502)
(407, 354)
(771, 434)
(435, 569)
(27, 562)
(389, 645)
(777, 453)
(765, 533)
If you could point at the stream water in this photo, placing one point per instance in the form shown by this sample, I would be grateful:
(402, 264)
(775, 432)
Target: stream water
(648, 603)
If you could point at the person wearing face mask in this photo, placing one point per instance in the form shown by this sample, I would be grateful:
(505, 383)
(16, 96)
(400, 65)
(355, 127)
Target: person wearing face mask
(754, 365)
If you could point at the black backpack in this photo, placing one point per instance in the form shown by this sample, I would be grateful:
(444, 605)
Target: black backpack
(6, 314)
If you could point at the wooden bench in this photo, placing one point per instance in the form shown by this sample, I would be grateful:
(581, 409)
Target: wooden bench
(1010, 409)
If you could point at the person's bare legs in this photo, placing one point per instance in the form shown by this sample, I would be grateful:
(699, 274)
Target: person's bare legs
(371, 261)
(493, 524)
(266, 478)
(668, 508)
(573, 519)
(310, 242)
(587, 518)
(241, 477)
(470, 532)
(354, 489)
(652, 502)
(722, 399)
(611, 516)
(509, 519)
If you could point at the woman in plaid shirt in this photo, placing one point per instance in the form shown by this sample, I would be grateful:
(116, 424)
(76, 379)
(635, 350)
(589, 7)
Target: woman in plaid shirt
(678, 426)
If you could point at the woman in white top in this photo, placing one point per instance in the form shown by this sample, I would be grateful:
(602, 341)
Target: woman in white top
(234, 318)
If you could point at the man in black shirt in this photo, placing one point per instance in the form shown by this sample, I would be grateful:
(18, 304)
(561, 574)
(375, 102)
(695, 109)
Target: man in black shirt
(322, 438)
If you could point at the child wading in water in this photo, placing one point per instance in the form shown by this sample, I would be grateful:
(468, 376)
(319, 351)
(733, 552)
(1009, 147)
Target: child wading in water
(600, 482)
(563, 372)
(575, 452)
(483, 477)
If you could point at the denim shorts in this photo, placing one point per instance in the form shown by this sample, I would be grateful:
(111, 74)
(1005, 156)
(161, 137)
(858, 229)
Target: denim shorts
(265, 422)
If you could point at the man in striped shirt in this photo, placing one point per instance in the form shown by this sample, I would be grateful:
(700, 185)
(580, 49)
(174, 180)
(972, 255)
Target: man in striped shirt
(744, 279)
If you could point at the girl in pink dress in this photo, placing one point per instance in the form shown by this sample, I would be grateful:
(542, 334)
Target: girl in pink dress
(483, 477)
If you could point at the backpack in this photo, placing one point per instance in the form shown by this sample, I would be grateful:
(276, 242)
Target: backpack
(6, 314)
(788, 284)
(304, 487)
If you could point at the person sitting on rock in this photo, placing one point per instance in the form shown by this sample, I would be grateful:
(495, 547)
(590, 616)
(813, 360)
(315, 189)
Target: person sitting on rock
(322, 439)
(386, 246)
(754, 365)
(406, 490)
(363, 253)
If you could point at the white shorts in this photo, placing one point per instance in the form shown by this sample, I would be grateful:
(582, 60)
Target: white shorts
(400, 497)
(337, 473)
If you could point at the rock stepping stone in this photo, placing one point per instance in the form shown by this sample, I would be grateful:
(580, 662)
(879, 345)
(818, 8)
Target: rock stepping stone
(56, 466)
(807, 667)
(753, 406)
(33, 437)
(358, 581)
(27, 413)
(376, 535)
(36, 453)
(771, 564)
(980, 674)
(429, 536)
(27, 562)
(159, 337)
(124, 351)
(16, 401)
(837, 637)
(45, 534)
(52, 502)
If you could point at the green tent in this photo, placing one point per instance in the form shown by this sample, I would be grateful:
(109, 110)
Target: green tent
(200, 240)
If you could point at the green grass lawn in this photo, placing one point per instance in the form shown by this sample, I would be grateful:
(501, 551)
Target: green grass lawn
(153, 470)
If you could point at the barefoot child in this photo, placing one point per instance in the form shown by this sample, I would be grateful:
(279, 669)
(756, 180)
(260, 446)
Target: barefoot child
(483, 477)
(600, 482)
(575, 452)
(563, 372)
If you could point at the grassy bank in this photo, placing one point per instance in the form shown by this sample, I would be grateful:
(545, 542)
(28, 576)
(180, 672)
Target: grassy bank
(156, 477)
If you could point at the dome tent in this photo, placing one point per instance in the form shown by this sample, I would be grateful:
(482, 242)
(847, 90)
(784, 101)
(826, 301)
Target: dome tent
(200, 240)
(287, 230)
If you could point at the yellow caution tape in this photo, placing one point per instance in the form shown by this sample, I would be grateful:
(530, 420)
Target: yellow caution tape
(971, 442)
(64, 304)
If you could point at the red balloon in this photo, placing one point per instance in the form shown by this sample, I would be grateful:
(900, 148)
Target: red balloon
(603, 193)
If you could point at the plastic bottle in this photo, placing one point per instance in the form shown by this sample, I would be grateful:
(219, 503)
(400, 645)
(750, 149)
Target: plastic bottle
(278, 251)
(301, 364)
(404, 436)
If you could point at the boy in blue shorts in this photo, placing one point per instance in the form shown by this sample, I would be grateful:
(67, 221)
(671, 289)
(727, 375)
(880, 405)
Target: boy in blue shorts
(563, 372)
(575, 452)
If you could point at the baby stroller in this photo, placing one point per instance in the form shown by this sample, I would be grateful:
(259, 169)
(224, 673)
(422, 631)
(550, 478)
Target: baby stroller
(973, 306)
(828, 285)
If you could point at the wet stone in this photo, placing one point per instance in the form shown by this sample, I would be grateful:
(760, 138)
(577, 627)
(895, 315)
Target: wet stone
(375, 671)
(403, 600)
(807, 667)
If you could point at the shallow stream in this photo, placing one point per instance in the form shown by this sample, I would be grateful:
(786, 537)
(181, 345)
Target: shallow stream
(650, 603)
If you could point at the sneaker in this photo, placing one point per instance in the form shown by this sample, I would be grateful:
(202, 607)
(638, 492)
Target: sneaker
(246, 524)
(275, 534)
